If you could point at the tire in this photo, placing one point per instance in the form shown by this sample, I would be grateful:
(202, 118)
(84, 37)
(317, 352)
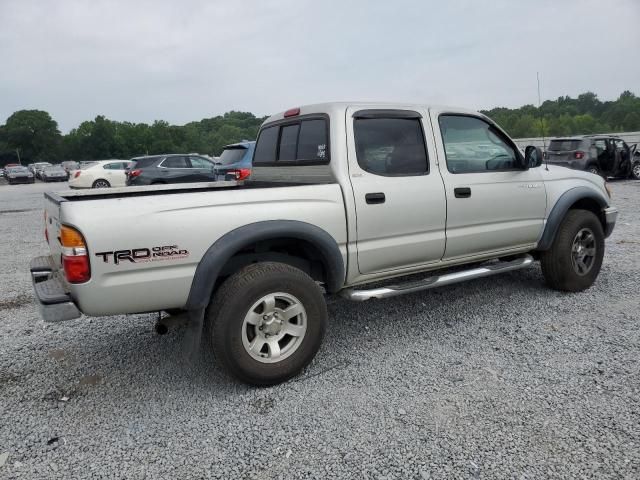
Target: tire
(240, 298)
(561, 265)
(100, 183)
(635, 171)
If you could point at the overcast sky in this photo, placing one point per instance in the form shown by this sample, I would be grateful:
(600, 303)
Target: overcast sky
(186, 60)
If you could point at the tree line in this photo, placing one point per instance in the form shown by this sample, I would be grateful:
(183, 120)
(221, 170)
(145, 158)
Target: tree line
(34, 134)
(571, 116)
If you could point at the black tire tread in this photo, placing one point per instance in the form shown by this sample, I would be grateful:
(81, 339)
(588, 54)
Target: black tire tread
(556, 262)
(220, 307)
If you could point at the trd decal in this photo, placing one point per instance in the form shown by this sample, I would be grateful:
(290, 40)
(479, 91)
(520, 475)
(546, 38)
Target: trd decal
(142, 255)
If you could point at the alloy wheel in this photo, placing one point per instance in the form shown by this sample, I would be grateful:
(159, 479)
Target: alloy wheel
(274, 327)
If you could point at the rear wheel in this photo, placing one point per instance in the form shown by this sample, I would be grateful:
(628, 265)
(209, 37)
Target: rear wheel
(635, 171)
(100, 184)
(573, 262)
(266, 323)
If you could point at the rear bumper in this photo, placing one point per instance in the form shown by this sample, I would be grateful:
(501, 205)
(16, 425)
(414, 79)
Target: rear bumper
(610, 217)
(54, 302)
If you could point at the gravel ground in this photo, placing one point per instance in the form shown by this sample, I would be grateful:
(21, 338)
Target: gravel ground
(498, 378)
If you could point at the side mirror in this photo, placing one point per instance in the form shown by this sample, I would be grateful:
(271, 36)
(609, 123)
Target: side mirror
(532, 157)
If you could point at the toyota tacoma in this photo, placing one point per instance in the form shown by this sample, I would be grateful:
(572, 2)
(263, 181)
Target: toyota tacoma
(341, 196)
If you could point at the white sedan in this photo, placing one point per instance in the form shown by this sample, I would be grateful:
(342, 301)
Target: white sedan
(100, 174)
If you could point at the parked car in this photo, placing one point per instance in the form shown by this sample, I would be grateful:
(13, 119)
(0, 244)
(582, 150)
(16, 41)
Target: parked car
(604, 155)
(38, 167)
(235, 161)
(70, 165)
(54, 173)
(341, 195)
(18, 174)
(100, 174)
(174, 168)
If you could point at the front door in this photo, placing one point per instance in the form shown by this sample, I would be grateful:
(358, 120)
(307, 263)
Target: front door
(493, 204)
(398, 192)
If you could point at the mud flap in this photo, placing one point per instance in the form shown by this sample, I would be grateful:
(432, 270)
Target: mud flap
(193, 335)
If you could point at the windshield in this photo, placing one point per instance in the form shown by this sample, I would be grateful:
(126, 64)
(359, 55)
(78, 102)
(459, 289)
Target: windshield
(232, 155)
(17, 169)
(53, 169)
(564, 145)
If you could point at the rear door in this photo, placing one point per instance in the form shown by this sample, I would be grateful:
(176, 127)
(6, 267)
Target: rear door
(175, 169)
(398, 192)
(493, 204)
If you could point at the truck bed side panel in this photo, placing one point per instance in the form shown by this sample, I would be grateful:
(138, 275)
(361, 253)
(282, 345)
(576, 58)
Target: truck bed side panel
(144, 250)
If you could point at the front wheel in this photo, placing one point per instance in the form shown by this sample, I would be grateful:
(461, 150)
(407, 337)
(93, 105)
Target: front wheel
(635, 171)
(573, 262)
(266, 323)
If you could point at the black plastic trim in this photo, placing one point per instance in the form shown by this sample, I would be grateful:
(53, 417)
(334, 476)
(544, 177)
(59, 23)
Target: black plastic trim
(232, 242)
(386, 113)
(560, 209)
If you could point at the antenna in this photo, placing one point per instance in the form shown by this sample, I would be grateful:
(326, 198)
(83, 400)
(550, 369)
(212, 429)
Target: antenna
(544, 143)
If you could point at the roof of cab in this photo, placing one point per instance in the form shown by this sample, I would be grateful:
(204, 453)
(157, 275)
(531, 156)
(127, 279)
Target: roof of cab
(338, 108)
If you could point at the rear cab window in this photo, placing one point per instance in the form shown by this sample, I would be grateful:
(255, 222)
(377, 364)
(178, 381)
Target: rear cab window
(298, 141)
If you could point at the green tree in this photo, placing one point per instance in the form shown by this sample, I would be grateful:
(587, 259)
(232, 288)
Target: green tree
(34, 133)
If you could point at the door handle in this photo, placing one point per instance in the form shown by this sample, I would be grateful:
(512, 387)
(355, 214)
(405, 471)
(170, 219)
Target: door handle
(374, 198)
(462, 192)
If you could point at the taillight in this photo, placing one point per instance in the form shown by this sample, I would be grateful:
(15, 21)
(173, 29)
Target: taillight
(75, 260)
(134, 173)
(241, 173)
(579, 155)
(77, 174)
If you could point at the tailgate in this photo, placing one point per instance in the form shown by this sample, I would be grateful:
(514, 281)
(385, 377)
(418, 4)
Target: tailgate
(52, 227)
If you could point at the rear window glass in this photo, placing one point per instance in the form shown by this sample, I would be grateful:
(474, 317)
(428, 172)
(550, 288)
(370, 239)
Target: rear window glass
(232, 155)
(143, 162)
(312, 142)
(300, 141)
(564, 145)
(289, 142)
(266, 145)
(85, 165)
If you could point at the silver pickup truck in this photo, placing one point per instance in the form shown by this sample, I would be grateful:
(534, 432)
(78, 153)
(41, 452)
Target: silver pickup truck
(341, 195)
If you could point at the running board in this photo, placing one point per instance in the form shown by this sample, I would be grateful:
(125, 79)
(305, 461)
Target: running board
(437, 281)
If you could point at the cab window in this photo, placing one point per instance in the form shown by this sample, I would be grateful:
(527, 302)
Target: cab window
(473, 145)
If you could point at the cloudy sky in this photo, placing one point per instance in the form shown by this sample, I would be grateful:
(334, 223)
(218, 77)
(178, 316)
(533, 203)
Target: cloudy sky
(189, 59)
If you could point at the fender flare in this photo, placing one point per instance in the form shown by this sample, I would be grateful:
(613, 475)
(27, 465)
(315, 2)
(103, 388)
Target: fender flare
(560, 209)
(230, 243)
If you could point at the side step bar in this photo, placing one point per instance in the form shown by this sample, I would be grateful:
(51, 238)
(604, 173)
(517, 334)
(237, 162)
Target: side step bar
(438, 281)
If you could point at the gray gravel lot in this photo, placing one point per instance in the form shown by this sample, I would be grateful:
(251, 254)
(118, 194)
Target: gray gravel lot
(497, 378)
